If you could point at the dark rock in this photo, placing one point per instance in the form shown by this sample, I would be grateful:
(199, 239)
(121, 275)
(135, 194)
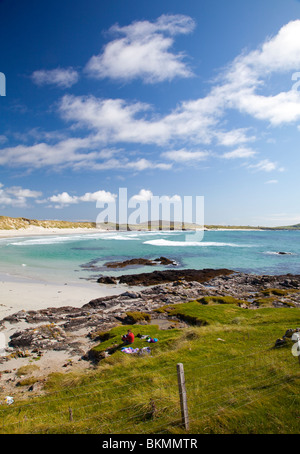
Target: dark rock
(160, 277)
(103, 303)
(165, 261)
(280, 343)
(141, 262)
(107, 280)
(21, 339)
(130, 295)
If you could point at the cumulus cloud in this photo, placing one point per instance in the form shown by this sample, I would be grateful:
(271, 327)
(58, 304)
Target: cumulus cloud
(65, 199)
(248, 72)
(62, 78)
(16, 196)
(118, 121)
(142, 50)
(143, 196)
(99, 196)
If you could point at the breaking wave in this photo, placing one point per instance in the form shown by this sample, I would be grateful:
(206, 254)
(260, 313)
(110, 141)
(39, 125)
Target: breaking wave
(162, 242)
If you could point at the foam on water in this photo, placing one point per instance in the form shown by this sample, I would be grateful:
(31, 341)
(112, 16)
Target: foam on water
(41, 241)
(191, 243)
(120, 238)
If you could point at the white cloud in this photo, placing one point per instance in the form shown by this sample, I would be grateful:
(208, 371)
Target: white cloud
(117, 121)
(248, 72)
(77, 153)
(99, 196)
(63, 153)
(234, 137)
(63, 78)
(143, 51)
(184, 155)
(143, 164)
(265, 165)
(65, 199)
(143, 196)
(239, 153)
(272, 182)
(16, 196)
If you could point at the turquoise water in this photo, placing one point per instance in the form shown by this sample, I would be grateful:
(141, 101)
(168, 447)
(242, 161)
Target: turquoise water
(58, 258)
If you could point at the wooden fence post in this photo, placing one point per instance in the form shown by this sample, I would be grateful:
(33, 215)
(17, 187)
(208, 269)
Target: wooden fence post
(183, 397)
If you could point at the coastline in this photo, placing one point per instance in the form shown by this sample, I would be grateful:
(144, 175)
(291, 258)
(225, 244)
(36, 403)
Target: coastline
(18, 294)
(40, 231)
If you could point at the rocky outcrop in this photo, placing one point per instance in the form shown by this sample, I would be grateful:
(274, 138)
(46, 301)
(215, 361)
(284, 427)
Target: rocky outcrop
(142, 262)
(107, 280)
(161, 277)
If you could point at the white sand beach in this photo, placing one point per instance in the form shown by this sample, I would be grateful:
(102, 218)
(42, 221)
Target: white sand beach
(37, 231)
(21, 294)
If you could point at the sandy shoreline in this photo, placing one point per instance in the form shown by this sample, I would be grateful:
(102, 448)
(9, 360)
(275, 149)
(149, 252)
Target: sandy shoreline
(18, 294)
(41, 231)
(37, 231)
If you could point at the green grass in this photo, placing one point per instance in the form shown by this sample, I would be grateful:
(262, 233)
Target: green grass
(115, 343)
(26, 370)
(136, 317)
(278, 291)
(222, 300)
(236, 382)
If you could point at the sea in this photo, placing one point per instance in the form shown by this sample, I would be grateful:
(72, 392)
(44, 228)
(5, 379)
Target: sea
(82, 257)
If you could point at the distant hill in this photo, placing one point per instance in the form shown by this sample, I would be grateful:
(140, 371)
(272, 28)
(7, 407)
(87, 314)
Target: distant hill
(290, 227)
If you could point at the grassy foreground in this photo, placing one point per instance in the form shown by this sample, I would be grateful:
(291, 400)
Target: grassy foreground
(236, 381)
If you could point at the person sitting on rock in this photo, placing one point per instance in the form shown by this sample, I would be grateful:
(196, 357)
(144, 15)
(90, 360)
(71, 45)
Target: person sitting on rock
(128, 338)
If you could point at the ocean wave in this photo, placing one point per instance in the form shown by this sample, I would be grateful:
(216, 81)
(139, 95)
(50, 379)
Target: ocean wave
(120, 238)
(162, 242)
(69, 238)
(43, 241)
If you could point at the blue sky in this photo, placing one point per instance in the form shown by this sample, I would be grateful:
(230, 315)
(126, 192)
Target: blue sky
(194, 98)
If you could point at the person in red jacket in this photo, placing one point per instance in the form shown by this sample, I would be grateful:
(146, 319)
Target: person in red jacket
(128, 338)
